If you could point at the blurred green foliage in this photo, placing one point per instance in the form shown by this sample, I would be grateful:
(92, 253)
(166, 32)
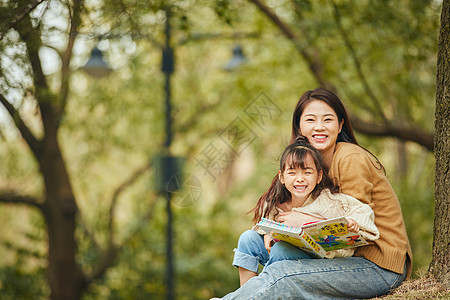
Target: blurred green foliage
(114, 126)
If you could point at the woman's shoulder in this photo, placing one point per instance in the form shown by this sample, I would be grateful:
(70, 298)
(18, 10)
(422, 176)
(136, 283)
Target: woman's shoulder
(345, 150)
(348, 148)
(353, 154)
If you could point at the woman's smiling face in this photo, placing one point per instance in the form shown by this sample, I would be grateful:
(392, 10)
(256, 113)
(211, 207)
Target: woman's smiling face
(320, 124)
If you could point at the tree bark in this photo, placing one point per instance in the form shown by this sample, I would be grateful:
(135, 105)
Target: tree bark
(59, 207)
(66, 280)
(440, 265)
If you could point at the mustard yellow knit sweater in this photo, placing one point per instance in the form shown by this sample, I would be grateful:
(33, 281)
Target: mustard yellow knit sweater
(358, 174)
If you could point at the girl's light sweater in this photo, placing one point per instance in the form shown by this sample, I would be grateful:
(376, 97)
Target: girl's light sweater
(328, 206)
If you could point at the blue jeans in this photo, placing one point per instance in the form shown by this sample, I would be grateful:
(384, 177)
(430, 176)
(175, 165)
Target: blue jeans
(251, 252)
(338, 278)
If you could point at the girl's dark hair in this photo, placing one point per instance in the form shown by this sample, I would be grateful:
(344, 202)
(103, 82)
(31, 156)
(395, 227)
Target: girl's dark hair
(294, 156)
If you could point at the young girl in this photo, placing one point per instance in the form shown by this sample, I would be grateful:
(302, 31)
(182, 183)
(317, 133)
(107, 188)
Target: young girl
(302, 186)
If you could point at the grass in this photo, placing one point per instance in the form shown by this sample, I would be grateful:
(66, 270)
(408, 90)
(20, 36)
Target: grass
(424, 287)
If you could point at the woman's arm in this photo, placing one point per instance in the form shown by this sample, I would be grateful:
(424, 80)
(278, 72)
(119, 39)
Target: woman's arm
(296, 219)
(354, 176)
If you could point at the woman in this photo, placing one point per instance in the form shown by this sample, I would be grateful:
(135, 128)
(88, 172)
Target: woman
(302, 185)
(375, 269)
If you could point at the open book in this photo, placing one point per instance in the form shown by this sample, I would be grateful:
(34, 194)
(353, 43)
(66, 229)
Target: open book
(316, 238)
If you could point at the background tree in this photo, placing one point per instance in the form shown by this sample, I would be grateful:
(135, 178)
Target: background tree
(382, 124)
(440, 265)
(57, 203)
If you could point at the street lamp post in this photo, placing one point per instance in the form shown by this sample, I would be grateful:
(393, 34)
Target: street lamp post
(166, 166)
(167, 68)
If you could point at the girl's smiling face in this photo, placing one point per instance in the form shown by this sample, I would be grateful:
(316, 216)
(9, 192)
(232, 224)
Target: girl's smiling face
(300, 182)
(320, 125)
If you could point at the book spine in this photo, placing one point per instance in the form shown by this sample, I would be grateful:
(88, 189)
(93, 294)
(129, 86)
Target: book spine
(281, 226)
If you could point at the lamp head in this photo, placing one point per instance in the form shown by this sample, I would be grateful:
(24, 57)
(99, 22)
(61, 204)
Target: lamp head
(237, 60)
(96, 66)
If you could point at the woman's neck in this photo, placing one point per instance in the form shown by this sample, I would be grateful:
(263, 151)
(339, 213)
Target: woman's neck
(327, 157)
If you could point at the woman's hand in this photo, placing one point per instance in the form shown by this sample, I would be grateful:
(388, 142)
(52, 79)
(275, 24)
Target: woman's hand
(286, 206)
(268, 242)
(352, 225)
(295, 218)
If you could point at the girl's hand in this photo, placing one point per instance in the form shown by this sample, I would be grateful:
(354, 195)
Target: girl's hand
(268, 242)
(352, 225)
(295, 218)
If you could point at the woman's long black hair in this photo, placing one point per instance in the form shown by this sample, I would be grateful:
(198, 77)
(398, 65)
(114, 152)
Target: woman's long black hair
(346, 134)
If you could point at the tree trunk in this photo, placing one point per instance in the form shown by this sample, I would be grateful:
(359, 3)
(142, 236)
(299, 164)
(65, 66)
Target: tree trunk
(440, 265)
(65, 278)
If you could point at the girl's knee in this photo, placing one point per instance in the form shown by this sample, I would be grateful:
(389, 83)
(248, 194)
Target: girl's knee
(249, 238)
